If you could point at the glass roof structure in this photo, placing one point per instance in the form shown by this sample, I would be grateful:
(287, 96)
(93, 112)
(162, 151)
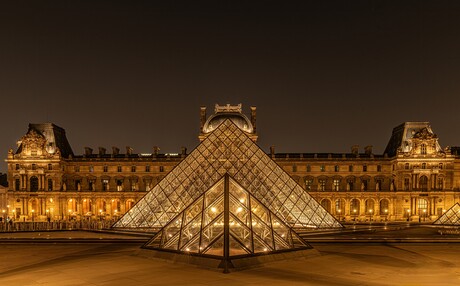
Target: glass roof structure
(226, 216)
(227, 150)
(450, 217)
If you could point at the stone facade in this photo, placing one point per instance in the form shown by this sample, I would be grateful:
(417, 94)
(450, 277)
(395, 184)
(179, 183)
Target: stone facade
(415, 179)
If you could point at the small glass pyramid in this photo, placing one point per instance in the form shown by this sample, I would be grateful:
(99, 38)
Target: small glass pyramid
(227, 150)
(226, 221)
(450, 217)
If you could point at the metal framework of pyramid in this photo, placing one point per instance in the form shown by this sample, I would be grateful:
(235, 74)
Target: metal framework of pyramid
(227, 150)
(450, 217)
(226, 222)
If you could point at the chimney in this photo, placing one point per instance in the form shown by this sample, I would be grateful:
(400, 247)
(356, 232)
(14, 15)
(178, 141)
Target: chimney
(183, 152)
(115, 151)
(272, 151)
(129, 151)
(355, 150)
(202, 117)
(88, 151)
(253, 117)
(156, 151)
(102, 151)
(368, 150)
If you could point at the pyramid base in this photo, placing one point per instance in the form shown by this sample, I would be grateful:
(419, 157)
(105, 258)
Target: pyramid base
(234, 264)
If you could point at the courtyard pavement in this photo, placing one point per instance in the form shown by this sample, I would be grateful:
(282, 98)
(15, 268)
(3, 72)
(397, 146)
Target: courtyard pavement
(119, 263)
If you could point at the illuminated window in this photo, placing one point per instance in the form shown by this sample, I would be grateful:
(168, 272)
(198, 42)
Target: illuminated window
(308, 184)
(119, 185)
(336, 184)
(105, 184)
(119, 169)
(322, 168)
(322, 185)
(423, 149)
(106, 169)
(147, 168)
(336, 168)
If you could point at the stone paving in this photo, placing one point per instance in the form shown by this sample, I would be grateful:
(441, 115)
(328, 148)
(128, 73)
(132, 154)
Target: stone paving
(330, 264)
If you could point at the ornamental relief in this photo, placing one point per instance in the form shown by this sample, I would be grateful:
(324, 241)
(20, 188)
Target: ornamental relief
(33, 144)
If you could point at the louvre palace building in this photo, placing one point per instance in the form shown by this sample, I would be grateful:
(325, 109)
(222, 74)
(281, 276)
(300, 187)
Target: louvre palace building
(415, 178)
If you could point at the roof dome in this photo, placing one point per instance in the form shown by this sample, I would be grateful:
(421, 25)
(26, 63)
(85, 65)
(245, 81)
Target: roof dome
(239, 119)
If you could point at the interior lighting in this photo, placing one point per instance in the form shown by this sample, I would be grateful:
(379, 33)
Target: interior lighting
(240, 209)
(213, 209)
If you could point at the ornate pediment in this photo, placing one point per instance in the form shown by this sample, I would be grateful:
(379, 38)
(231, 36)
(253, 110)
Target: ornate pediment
(32, 144)
(424, 133)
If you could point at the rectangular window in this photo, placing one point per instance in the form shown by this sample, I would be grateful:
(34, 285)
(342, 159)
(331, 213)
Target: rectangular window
(336, 168)
(133, 169)
(406, 166)
(336, 185)
(364, 185)
(106, 169)
(364, 168)
(17, 184)
(50, 167)
(350, 168)
(308, 168)
(322, 185)
(17, 166)
(91, 169)
(378, 185)
(147, 168)
(294, 168)
(119, 185)
(162, 168)
(379, 168)
(440, 183)
(77, 168)
(322, 168)
(91, 185)
(105, 184)
(34, 167)
(308, 184)
(50, 184)
(119, 169)
(406, 184)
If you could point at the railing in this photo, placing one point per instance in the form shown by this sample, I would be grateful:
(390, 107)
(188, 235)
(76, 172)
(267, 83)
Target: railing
(55, 225)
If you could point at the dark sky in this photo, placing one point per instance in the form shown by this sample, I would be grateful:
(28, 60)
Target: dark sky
(324, 75)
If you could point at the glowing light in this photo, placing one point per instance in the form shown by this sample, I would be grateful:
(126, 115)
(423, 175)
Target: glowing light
(242, 201)
(213, 209)
(187, 249)
(240, 209)
(265, 249)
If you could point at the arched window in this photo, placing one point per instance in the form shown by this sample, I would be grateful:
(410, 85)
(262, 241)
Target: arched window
(422, 207)
(369, 210)
(326, 204)
(340, 206)
(354, 207)
(33, 184)
(384, 207)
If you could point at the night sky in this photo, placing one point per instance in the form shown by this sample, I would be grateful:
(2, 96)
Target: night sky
(324, 75)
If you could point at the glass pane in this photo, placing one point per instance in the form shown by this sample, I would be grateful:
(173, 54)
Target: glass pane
(190, 230)
(217, 248)
(211, 231)
(236, 248)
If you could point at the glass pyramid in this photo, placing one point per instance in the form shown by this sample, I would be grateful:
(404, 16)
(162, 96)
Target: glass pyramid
(450, 217)
(227, 150)
(226, 221)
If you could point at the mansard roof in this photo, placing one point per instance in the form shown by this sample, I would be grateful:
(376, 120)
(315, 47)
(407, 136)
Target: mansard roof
(55, 137)
(404, 133)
